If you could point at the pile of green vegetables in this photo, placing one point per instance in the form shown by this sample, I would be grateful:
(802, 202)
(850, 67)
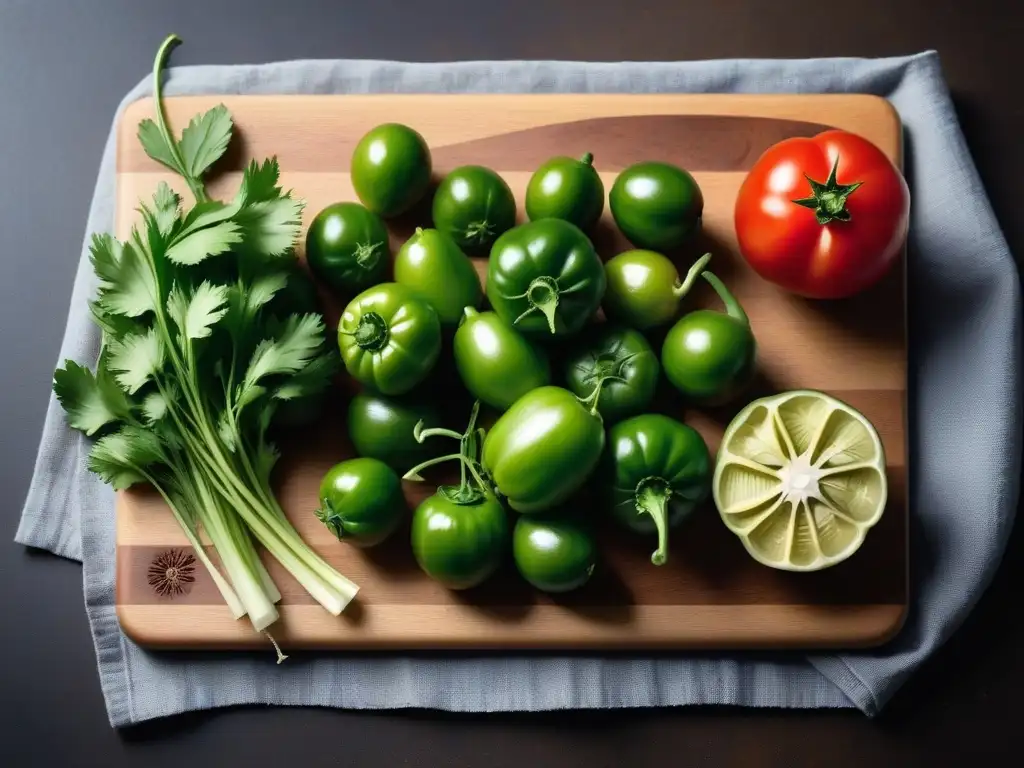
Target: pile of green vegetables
(572, 396)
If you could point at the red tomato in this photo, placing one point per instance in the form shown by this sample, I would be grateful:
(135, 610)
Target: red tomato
(823, 217)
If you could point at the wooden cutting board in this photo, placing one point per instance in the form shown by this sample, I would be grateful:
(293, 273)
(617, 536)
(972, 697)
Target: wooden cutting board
(711, 594)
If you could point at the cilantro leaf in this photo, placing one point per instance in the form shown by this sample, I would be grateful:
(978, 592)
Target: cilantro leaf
(259, 183)
(153, 143)
(204, 243)
(127, 285)
(123, 458)
(91, 402)
(154, 407)
(197, 314)
(262, 289)
(271, 226)
(136, 359)
(290, 352)
(166, 202)
(204, 140)
(312, 379)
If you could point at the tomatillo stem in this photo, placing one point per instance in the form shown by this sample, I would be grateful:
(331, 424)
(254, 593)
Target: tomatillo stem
(691, 277)
(652, 497)
(732, 307)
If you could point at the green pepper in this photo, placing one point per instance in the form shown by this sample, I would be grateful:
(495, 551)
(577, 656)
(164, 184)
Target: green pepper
(554, 553)
(433, 267)
(710, 356)
(658, 471)
(347, 248)
(361, 501)
(543, 448)
(382, 428)
(566, 188)
(544, 277)
(473, 205)
(460, 534)
(657, 206)
(621, 358)
(389, 339)
(495, 362)
(644, 289)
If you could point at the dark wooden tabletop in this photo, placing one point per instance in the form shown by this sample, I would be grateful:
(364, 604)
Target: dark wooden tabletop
(64, 67)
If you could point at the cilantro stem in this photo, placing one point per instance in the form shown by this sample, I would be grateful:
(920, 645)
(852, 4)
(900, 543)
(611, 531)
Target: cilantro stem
(195, 185)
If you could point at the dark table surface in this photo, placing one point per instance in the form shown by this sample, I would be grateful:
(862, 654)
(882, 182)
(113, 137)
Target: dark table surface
(64, 67)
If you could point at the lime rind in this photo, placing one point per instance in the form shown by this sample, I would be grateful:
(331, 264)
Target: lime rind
(800, 479)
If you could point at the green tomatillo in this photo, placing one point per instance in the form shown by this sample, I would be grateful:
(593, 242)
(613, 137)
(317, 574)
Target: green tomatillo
(460, 535)
(496, 363)
(658, 471)
(390, 169)
(542, 449)
(656, 205)
(361, 501)
(566, 188)
(382, 428)
(709, 356)
(474, 205)
(435, 269)
(644, 289)
(347, 248)
(545, 278)
(554, 553)
(623, 359)
(389, 339)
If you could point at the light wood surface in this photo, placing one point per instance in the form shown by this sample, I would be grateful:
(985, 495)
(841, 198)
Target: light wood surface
(711, 594)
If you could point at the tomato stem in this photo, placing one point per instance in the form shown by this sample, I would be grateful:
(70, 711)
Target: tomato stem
(691, 277)
(591, 400)
(468, 445)
(732, 307)
(587, 159)
(651, 498)
(828, 200)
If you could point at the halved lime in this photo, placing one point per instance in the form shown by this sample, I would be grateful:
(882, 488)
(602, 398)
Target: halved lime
(800, 478)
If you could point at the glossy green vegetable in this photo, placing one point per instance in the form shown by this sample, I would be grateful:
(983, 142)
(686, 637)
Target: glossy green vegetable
(658, 471)
(544, 277)
(622, 359)
(390, 169)
(382, 428)
(389, 339)
(460, 535)
(709, 356)
(474, 205)
(644, 289)
(495, 362)
(347, 248)
(361, 501)
(543, 448)
(658, 206)
(434, 268)
(554, 554)
(566, 188)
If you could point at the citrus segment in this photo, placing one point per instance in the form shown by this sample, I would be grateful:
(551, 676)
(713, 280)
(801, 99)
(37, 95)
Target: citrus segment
(800, 479)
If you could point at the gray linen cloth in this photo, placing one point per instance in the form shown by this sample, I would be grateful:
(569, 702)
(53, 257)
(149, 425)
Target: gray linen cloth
(964, 412)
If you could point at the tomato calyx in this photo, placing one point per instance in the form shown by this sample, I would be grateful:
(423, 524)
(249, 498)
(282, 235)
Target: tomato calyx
(371, 334)
(543, 295)
(334, 522)
(367, 256)
(479, 232)
(828, 200)
(651, 497)
(590, 402)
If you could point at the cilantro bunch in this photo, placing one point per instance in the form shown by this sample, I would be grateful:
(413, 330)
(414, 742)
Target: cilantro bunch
(204, 336)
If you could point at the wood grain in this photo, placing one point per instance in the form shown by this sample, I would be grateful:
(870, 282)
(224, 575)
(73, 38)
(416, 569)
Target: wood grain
(711, 593)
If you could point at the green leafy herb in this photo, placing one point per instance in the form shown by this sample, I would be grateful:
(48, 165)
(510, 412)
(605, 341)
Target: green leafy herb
(197, 353)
